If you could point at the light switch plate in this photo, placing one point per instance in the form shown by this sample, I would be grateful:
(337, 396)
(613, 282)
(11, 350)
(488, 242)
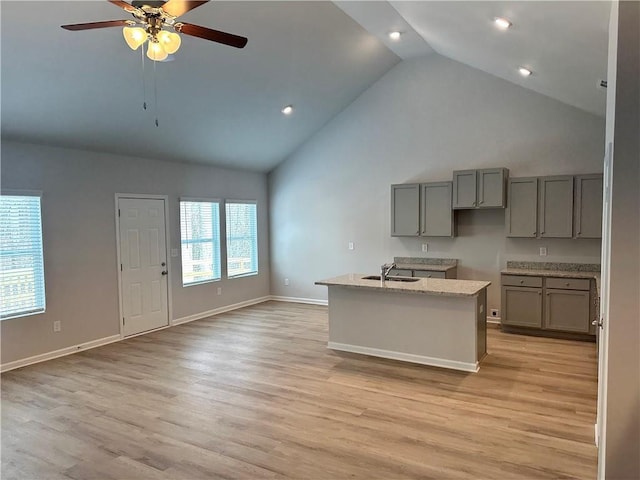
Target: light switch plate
(425, 247)
(174, 252)
(286, 282)
(351, 246)
(543, 251)
(219, 290)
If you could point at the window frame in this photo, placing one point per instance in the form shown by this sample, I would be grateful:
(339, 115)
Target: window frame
(39, 194)
(220, 203)
(226, 232)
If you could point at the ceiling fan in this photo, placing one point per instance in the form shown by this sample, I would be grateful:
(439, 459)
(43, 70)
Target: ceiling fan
(154, 21)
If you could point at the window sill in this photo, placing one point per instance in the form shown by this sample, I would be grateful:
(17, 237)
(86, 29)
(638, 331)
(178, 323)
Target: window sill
(204, 282)
(22, 315)
(251, 274)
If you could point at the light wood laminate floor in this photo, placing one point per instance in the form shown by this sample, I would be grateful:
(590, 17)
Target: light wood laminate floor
(256, 394)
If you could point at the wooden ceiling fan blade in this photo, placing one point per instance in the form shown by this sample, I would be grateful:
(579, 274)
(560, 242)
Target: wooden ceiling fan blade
(123, 5)
(210, 34)
(92, 25)
(180, 7)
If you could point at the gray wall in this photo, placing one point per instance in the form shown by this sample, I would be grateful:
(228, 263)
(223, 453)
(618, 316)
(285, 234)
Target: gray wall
(425, 118)
(622, 446)
(78, 208)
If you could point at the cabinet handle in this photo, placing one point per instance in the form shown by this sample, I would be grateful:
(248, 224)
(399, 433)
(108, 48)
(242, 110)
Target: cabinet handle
(567, 284)
(417, 232)
(548, 294)
(481, 202)
(475, 203)
(521, 281)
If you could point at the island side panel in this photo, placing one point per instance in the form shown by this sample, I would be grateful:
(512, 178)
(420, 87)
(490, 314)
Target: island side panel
(481, 330)
(428, 329)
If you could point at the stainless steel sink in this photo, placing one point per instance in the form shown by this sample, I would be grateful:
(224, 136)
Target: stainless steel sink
(392, 279)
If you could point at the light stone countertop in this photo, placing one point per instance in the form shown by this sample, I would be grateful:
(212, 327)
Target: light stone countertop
(427, 286)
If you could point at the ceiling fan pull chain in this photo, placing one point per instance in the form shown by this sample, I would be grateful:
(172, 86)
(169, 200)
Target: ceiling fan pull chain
(144, 90)
(155, 91)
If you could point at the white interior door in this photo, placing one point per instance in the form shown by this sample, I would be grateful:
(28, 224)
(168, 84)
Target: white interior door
(143, 257)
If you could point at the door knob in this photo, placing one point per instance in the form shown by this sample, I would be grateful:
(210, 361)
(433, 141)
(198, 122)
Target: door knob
(164, 272)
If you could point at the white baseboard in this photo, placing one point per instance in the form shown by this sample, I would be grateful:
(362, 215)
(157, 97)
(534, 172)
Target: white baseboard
(310, 301)
(217, 311)
(406, 357)
(493, 320)
(116, 338)
(5, 367)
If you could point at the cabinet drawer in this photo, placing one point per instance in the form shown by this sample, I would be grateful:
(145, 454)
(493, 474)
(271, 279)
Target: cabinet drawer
(428, 274)
(568, 283)
(522, 281)
(395, 272)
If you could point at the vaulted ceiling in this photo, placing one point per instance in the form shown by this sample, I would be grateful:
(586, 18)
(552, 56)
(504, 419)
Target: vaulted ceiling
(219, 105)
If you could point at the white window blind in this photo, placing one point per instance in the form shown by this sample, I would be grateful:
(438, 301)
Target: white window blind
(200, 241)
(242, 238)
(21, 259)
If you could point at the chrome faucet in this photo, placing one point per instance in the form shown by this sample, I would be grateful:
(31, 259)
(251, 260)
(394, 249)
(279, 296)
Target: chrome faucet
(385, 269)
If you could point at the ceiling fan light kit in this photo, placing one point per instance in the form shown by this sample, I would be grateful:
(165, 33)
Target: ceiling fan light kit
(154, 21)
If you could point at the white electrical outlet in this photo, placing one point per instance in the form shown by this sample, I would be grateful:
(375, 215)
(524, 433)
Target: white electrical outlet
(351, 246)
(286, 282)
(425, 247)
(543, 251)
(495, 312)
(219, 290)
(57, 326)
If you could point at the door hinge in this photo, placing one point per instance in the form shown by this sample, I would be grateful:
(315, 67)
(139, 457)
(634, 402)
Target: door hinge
(118, 212)
(123, 322)
(120, 267)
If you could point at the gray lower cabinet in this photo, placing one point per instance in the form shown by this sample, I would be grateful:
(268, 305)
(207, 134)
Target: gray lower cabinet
(399, 272)
(522, 306)
(484, 188)
(549, 304)
(556, 207)
(428, 274)
(567, 310)
(436, 213)
(405, 210)
(521, 216)
(587, 216)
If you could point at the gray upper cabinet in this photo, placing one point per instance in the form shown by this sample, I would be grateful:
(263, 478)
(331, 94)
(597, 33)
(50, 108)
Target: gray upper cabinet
(522, 210)
(405, 210)
(436, 213)
(555, 205)
(465, 189)
(491, 188)
(587, 216)
(479, 188)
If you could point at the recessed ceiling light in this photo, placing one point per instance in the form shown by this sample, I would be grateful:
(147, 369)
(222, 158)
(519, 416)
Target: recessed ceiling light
(525, 72)
(288, 110)
(395, 36)
(502, 23)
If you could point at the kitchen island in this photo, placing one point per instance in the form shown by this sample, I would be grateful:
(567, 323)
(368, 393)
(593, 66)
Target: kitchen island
(428, 321)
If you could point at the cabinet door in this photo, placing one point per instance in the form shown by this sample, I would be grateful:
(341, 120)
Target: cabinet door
(464, 189)
(587, 215)
(405, 210)
(522, 306)
(437, 214)
(428, 274)
(567, 311)
(522, 207)
(556, 207)
(491, 187)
